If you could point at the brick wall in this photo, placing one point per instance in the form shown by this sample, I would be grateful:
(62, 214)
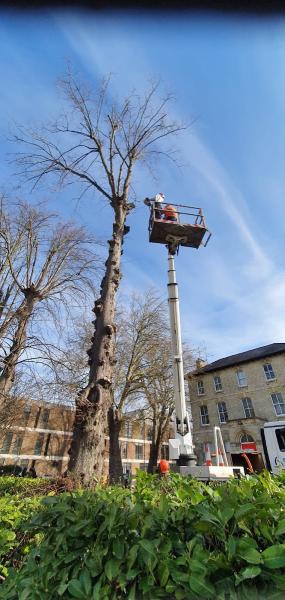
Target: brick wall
(40, 436)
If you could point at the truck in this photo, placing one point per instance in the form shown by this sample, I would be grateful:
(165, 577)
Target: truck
(273, 441)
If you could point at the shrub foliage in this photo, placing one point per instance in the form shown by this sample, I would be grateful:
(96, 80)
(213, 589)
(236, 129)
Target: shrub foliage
(173, 539)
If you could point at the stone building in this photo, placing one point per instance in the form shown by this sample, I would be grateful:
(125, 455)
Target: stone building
(239, 393)
(39, 436)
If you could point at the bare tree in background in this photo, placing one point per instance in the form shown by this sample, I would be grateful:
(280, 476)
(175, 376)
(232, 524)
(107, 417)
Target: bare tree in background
(51, 264)
(137, 329)
(98, 145)
(158, 392)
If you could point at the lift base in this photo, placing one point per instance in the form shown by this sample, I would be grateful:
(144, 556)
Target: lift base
(205, 473)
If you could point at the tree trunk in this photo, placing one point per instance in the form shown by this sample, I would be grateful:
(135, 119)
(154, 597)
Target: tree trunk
(155, 447)
(153, 456)
(115, 458)
(93, 403)
(10, 362)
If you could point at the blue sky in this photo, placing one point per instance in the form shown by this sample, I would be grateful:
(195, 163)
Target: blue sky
(226, 73)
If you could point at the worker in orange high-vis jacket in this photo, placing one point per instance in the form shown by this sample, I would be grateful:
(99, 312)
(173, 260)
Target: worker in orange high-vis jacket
(163, 468)
(170, 214)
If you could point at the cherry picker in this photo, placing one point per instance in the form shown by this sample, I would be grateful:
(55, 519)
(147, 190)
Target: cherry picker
(178, 225)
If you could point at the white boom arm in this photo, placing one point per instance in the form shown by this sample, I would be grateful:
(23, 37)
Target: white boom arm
(182, 445)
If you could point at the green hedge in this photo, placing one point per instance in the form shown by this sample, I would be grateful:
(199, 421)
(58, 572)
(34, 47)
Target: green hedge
(15, 540)
(172, 539)
(24, 486)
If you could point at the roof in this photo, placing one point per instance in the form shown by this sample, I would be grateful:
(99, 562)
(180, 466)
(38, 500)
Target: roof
(242, 357)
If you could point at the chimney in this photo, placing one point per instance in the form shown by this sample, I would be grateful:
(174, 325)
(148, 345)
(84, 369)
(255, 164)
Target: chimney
(200, 363)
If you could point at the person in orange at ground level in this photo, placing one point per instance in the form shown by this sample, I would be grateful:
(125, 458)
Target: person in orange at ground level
(163, 468)
(170, 214)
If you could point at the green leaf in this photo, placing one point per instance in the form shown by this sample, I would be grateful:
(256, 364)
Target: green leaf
(86, 581)
(274, 556)
(96, 591)
(163, 575)
(248, 573)
(197, 567)
(112, 568)
(201, 586)
(61, 588)
(132, 555)
(75, 589)
(132, 573)
(244, 510)
(280, 528)
(232, 543)
(170, 588)
(246, 549)
(147, 546)
(226, 514)
(118, 549)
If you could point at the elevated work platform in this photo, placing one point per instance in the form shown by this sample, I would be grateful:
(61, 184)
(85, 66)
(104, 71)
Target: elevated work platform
(189, 228)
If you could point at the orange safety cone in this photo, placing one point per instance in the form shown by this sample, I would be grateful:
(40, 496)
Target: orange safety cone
(208, 459)
(221, 458)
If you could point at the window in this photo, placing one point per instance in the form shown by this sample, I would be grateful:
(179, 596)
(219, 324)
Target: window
(241, 378)
(26, 415)
(200, 388)
(280, 434)
(124, 449)
(128, 429)
(165, 451)
(44, 418)
(278, 403)
(204, 416)
(245, 437)
(7, 441)
(223, 413)
(18, 444)
(248, 408)
(39, 444)
(218, 383)
(139, 451)
(268, 371)
(127, 468)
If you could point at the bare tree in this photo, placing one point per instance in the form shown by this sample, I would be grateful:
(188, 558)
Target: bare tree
(99, 145)
(52, 265)
(137, 329)
(158, 392)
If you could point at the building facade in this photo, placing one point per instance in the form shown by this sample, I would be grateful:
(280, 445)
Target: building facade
(238, 393)
(41, 433)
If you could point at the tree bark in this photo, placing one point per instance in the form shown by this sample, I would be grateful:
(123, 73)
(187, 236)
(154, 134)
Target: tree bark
(93, 403)
(155, 447)
(115, 458)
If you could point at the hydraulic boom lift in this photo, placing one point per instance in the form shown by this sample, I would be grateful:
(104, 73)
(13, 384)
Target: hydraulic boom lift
(167, 227)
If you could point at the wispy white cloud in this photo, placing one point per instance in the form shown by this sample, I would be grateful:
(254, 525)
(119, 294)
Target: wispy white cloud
(239, 303)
